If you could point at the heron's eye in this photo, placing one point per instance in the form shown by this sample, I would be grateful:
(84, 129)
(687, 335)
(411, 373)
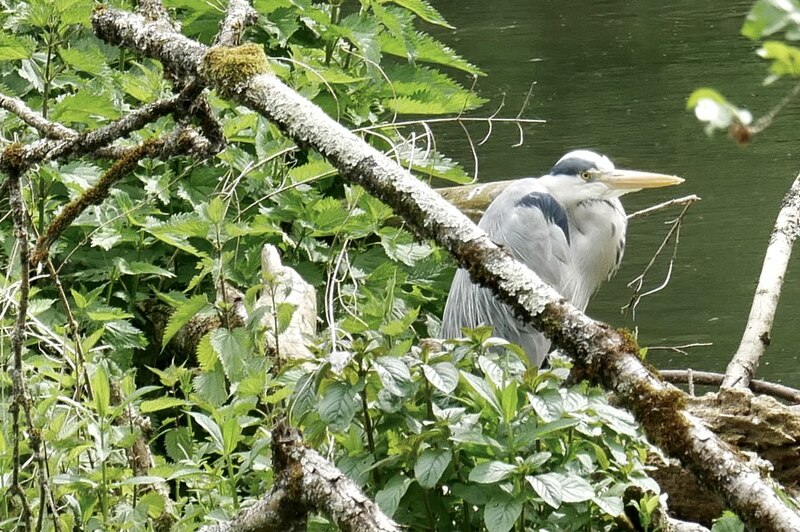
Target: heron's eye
(586, 175)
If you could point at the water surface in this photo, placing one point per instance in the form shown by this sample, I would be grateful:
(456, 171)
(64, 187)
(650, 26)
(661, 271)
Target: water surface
(614, 76)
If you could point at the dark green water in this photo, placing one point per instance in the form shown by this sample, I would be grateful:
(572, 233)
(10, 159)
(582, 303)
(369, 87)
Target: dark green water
(614, 76)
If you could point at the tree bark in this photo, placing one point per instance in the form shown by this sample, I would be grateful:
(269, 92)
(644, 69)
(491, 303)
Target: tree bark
(601, 353)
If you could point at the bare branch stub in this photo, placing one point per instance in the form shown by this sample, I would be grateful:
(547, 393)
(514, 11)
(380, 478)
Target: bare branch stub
(756, 337)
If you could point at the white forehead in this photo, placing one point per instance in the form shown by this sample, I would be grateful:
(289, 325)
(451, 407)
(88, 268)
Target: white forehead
(600, 161)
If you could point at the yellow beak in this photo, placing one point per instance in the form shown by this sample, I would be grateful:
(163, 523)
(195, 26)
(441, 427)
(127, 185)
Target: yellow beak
(635, 180)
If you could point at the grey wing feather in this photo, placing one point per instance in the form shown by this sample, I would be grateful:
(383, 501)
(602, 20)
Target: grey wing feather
(533, 226)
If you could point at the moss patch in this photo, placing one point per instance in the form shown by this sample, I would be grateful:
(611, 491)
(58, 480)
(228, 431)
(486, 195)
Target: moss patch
(230, 66)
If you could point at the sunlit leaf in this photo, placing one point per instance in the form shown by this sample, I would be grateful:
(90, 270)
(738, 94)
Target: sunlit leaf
(501, 512)
(430, 465)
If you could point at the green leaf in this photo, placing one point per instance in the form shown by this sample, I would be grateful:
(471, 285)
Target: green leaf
(443, 376)
(575, 489)
(729, 522)
(12, 47)
(613, 506)
(285, 313)
(233, 348)
(400, 245)
(704, 93)
(211, 386)
(179, 444)
(90, 60)
(212, 428)
(141, 268)
(215, 210)
(490, 472)
(767, 17)
(509, 399)
(337, 406)
(394, 374)
(402, 325)
(501, 512)
(548, 487)
(162, 403)
(389, 497)
(422, 47)
(430, 466)
(482, 389)
(425, 11)
(231, 435)
(206, 354)
(85, 107)
(181, 316)
(101, 389)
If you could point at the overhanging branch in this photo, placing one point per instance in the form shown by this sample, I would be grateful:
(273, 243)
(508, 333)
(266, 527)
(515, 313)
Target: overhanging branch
(600, 352)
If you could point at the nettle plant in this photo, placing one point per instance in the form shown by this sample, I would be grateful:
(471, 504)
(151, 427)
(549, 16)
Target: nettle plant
(465, 437)
(452, 440)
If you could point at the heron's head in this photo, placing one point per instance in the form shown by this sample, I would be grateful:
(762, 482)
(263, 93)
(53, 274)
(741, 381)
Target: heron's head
(582, 174)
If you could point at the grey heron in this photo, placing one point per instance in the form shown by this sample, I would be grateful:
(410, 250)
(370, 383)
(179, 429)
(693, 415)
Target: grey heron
(567, 226)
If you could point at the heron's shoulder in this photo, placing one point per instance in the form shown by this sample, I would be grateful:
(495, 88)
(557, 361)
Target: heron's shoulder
(527, 200)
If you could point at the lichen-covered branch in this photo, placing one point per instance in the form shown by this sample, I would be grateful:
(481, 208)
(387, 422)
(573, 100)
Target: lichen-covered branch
(53, 130)
(756, 336)
(306, 482)
(21, 402)
(238, 16)
(601, 353)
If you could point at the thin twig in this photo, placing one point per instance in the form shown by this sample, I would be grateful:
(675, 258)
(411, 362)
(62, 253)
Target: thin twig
(638, 282)
(667, 204)
(707, 378)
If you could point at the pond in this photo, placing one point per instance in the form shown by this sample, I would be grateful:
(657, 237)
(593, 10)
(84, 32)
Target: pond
(614, 76)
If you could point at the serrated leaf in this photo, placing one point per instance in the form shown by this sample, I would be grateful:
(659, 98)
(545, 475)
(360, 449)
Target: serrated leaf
(490, 472)
(233, 348)
(501, 512)
(422, 47)
(181, 316)
(85, 107)
(337, 406)
(179, 444)
(444, 376)
(430, 466)
(389, 497)
(425, 11)
(162, 403)
(12, 47)
(206, 354)
(401, 246)
(394, 375)
(90, 60)
(548, 487)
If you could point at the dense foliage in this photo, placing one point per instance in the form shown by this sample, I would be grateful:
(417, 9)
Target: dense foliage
(449, 440)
